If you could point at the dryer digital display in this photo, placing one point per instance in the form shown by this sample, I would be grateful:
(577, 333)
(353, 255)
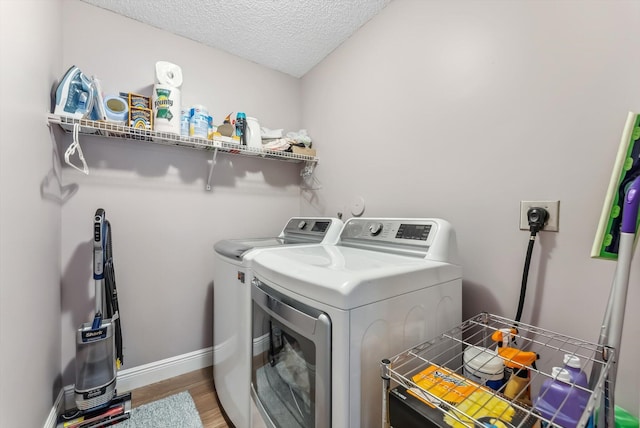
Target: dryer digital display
(413, 231)
(320, 226)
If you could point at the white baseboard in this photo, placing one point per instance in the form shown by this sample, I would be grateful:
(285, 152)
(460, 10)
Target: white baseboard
(157, 371)
(55, 411)
(140, 376)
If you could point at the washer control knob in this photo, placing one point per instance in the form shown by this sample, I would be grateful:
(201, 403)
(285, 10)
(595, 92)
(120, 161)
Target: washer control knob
(302, 224)
(375, 229)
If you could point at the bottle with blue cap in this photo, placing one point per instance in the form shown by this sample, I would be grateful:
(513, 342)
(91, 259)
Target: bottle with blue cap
(241, 127)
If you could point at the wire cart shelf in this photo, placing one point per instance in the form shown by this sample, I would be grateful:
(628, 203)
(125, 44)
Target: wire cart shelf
(440, 404)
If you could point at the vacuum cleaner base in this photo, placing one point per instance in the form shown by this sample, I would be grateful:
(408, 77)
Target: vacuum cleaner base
(95, 365)
(118, 410)
(95, 398)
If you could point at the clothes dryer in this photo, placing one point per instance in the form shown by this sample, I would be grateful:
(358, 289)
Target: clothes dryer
(325, 316)
(232, 302)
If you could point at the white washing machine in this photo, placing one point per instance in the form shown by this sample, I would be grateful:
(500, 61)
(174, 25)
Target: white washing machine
(232, 303)
(325, 316)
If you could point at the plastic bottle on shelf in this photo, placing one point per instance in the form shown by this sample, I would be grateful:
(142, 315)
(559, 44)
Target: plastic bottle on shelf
(518, 386)
(573, 365)
(560, 401)
(185, 118)
(483, 366)
(211, 129)
(241, 127)
(199, 121)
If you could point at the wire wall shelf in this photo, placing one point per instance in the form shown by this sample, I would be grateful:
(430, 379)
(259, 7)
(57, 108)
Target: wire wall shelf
(218, 144)
(411, 391)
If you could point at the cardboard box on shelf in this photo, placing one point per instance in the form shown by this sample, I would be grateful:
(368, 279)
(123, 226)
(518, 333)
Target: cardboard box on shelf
(303, 151)
(141, 118)
(136, 100)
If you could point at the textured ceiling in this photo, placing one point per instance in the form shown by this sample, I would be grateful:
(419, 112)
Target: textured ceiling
(291, 36)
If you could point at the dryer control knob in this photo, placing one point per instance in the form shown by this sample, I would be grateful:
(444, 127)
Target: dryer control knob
(375, 228)
(302, 224)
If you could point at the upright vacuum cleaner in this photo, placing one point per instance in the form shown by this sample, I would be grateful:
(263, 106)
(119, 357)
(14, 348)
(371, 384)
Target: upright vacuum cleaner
(99, 345)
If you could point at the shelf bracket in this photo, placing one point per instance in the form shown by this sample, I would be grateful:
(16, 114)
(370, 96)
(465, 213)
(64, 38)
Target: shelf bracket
(213, 163)
(309, 180)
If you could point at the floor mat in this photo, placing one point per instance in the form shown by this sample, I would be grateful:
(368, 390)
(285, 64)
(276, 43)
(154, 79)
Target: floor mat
(175, 411)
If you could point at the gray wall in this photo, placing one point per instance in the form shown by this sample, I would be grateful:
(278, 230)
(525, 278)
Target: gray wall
(460, 110)
(431, 109)
(164, 222)
(30, 54)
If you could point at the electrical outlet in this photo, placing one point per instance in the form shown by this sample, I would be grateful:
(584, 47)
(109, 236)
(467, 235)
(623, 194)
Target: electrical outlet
(552, 207)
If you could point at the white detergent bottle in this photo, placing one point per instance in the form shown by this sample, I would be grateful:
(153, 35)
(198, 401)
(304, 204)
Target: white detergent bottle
(254, 138)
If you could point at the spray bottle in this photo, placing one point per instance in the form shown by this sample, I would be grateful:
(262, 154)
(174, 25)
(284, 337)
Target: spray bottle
(517, 363)
(518, 386)
(241, 127)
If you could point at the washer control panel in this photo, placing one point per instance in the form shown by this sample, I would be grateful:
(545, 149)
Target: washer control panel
(315, 226)
(414, 231)
(312, 230)
(411, 232)
(375, 228)
(428, 238)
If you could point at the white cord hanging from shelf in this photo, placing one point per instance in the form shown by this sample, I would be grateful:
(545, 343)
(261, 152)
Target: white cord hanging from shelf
(71, 150)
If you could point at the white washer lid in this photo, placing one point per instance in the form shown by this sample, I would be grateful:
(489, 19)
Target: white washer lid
(237, 248)
(297, 231)
(345, 277)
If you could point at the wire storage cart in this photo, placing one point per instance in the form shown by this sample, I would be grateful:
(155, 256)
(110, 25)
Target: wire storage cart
(435, 383)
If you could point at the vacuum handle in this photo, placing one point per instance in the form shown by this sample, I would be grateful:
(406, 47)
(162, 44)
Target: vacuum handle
(98, 244)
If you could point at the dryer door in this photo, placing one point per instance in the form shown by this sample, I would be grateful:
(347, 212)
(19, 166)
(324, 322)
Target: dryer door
(291, 365)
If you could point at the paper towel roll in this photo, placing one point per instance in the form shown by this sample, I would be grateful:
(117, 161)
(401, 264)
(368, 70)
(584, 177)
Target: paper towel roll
(166, 108)
(168, 74)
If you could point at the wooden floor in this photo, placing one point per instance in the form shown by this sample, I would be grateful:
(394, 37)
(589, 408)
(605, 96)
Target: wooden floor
(199, 384)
